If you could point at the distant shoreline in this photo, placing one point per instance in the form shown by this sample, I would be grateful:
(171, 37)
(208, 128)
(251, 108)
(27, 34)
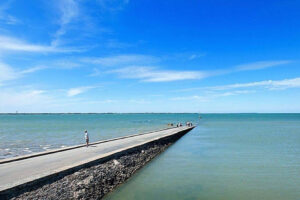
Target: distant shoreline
(110, 113)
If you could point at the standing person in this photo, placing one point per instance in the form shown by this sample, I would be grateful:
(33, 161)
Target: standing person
(86, 135)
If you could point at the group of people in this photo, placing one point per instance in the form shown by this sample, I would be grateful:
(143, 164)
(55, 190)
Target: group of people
(189, 124)
(179, 125)
(87, 140)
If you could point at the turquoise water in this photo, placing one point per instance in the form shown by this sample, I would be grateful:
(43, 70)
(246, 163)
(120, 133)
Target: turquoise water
(29, 133)
(228, 156)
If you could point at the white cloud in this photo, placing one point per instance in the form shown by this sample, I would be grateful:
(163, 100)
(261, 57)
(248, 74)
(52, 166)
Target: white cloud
(117, 45)
(7, 73)
(192, 57)
(250, 67)
(9, 43)
(183, 98)
(6, 18)
(32, 69)
(195, 56)
(211, 96)
(96, 72)
(139, 101)
(30, 100)
(79, 90)
(261, 65)
(152, 74)
(16, 99)
(14, 44)
(106, 101)
(66, 64)
(69, 10)
(135, 66)
(269, 84)
(232, 93)
(121, 60)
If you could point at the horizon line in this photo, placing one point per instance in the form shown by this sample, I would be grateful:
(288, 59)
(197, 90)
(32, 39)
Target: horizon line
(14, 113)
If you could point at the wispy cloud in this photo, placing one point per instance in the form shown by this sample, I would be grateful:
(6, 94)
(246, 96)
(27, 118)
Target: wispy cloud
(269, 84)
(139, 101)
(5, 17)
(29, 99)
(32, 69)
(14, 44)
(69, 10)
(105, 101)
(96, 72)
(66, 64)
(19, 99)
(115, 44)
(252, 66)
(112, 5)
(8, 73)
(79, 90)
(8, 19)
(211, 96)
(183, 98)
(152, 74)
(121, 60)
(195, 56)
(261, 65)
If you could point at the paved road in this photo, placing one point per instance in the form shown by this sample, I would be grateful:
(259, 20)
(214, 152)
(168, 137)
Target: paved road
(22, 171)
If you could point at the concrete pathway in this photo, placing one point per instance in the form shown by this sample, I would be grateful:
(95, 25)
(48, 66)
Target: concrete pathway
(22, 171)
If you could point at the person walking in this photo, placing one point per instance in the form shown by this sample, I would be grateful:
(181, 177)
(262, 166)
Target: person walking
(86, 135)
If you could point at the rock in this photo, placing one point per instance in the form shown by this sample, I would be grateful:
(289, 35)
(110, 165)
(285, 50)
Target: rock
(116, 162)
(79, 183)
(88, 180)
(96, 181)
(76, 173)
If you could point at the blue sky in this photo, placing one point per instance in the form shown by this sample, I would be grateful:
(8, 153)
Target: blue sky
(149, 56)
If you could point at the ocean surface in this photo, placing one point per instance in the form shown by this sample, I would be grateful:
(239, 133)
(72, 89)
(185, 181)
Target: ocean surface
(22, 134)
(227, 156)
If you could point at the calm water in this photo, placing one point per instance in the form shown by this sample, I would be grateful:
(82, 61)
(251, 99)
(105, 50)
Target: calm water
(228, 156)
(25, 134)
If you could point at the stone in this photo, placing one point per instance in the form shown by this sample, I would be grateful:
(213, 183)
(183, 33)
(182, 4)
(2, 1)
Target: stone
(96, 181)
(116, 162)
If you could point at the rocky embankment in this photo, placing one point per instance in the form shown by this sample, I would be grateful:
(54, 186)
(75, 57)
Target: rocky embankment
(95, 181)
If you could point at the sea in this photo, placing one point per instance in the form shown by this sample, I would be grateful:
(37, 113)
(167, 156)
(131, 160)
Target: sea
(226, 157)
